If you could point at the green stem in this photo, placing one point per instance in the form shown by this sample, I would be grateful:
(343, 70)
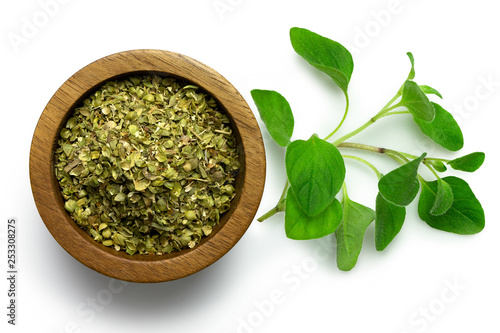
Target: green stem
(395, 113)
(432, 170)
(268, 214)
(394, 154)
(280, 206)
(283, 194)
(343, 118)
(406, 155)
(437, 159)
(422, 180)
(379, 150)
(344, 192)
(387, 108)
(397, 156)
(371, 166)
(353, 133)
(361, 146)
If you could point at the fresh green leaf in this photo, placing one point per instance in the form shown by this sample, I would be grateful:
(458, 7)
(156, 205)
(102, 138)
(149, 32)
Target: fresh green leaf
(400, 186)
(411, 76)
(469, 163)
(316, 172)
(444, 198)
(465, 216)
(351, 232)
(324, 54)
(276, 113)
(430, 91)
(439, 166)
(416, 101)
(443, 129)
(389, 220)
(301, 226)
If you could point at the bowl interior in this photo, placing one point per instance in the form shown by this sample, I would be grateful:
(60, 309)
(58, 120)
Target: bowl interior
(147, 268)
(224, 217)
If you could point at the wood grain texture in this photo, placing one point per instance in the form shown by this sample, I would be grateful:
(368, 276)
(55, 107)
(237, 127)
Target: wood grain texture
(146, 268)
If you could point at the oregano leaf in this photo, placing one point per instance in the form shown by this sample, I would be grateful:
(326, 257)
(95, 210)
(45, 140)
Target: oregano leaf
(469, 163)
(301, 226)
(416, 101)
(430, 91)
(443, 129)
(465, 216)
(315, 169)
(276, 113)
(439, 166)
(351, 232)
(400, 186)
(411, 76)
(324, 54)
(444, 198)
(389, 219)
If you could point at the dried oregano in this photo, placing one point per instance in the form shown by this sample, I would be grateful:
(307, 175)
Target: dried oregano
(147, 164)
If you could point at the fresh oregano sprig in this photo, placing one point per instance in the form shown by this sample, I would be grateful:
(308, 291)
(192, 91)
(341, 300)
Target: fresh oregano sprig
(315, 167)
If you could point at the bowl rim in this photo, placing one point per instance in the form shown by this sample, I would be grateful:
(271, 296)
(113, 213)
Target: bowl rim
(118, 264)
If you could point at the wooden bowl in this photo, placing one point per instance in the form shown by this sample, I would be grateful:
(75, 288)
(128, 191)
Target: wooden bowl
(146, 268)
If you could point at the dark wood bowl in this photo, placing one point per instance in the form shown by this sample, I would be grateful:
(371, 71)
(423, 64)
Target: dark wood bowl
(146, 268)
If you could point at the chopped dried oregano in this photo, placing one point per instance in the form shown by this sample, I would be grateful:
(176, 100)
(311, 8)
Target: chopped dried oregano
(147, 164)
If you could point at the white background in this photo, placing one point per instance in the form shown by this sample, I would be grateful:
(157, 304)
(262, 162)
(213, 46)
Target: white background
(426, 280)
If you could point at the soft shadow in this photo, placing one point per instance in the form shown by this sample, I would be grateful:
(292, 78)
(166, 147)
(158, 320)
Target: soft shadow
(145, 300)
